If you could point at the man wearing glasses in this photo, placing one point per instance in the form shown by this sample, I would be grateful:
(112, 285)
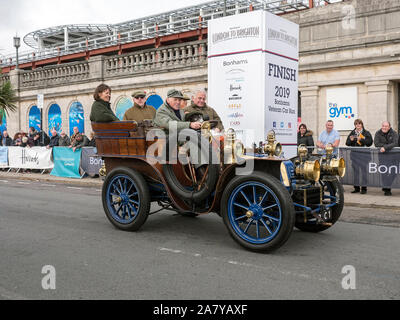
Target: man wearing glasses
(140, 110)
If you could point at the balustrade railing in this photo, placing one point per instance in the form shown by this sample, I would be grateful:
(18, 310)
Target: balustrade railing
(4, 79)
(62, 74)
(175, 56)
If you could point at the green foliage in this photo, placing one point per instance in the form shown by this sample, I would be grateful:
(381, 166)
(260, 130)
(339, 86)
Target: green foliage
(8, 99)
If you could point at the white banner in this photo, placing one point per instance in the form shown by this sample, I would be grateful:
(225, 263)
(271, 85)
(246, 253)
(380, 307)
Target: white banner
(30, 158)
(342, 107)
(253, 76)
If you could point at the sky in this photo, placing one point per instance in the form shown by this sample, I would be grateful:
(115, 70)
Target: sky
(24, 16)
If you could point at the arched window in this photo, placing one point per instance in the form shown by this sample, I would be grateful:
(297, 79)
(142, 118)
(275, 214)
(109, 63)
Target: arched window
(76, 118)
(123, 104)
(3, 124)
(55, 118)
(155, 101)
(34, 118)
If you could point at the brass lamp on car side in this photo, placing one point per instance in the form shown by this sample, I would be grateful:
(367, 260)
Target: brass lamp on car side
(272, 148)
(333, 166)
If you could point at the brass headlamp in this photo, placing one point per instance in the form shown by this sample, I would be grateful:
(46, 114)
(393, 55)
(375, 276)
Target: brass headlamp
(232, 148)
(333, 166)
(310, 170)
(272, 148)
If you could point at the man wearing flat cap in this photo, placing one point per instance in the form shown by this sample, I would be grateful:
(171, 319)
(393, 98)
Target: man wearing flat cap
(171, 112)
(140, 110)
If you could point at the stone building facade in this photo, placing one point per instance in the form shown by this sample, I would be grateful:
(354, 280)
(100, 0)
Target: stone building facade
(348, 44)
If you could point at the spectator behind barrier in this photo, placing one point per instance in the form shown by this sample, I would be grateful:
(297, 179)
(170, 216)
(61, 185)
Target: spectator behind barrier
(26, 141)
(359, 137)
(64, 140)
(101, 108)
(5, 140)
(92, 142)
(54, 139)
(305, 136)
(74, 135)
(41, 139)
(329, 136)
(386, 139)
(80, 141)
(17, 139)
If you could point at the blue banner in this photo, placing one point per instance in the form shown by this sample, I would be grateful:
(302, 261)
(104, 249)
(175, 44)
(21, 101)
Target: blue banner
(3, 157)
(66, 162)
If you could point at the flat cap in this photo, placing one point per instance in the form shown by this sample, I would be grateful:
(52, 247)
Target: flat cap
(185, 97)
(173, 93)
(137, 94)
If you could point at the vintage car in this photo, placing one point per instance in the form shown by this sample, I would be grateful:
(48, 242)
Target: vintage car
(260, 196)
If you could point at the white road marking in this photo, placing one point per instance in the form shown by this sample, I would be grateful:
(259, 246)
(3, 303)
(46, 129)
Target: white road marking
(24, 182)
(252, 266)
(75, 188)
(48, 185)
(6, 181)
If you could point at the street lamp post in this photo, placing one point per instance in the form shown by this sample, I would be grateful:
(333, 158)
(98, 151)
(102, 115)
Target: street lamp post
(17, 44)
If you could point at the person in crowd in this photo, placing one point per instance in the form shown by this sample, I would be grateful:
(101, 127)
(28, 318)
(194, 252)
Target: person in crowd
(31, 132)
(74, 135)
(305, 136)
(171, 113)
(17, 139)
(40, 139)
(6, 141)
(54, 139)
(101, 108)
(92, 142)
(386, 139)
(184, 101)
(80, 141)
(199, 105)
(140, 110)
(64, 140)
(26, 141)
(359, 137)
(329, 136)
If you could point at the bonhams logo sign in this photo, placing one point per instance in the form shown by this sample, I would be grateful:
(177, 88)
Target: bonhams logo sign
(282, 36)
(236, 33)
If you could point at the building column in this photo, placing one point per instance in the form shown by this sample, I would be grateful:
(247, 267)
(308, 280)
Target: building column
(15, 79)
(381, 104)
(96, 68)
(309, 108)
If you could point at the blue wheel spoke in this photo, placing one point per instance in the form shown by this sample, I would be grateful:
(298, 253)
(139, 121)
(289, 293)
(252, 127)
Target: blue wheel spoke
(133, 209)
(241, 206)
(265, 225)
(244, 216)
(248, 201)
(257, 230)
(116, 189)
(118, 209)
(130, 188)
(263, 198)
(128, 210)
(266, 208)
(248, 226)
(254, 195)
(271, 218)
(120, 185)
(135, 202)
(132, 195)
(125, 185)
